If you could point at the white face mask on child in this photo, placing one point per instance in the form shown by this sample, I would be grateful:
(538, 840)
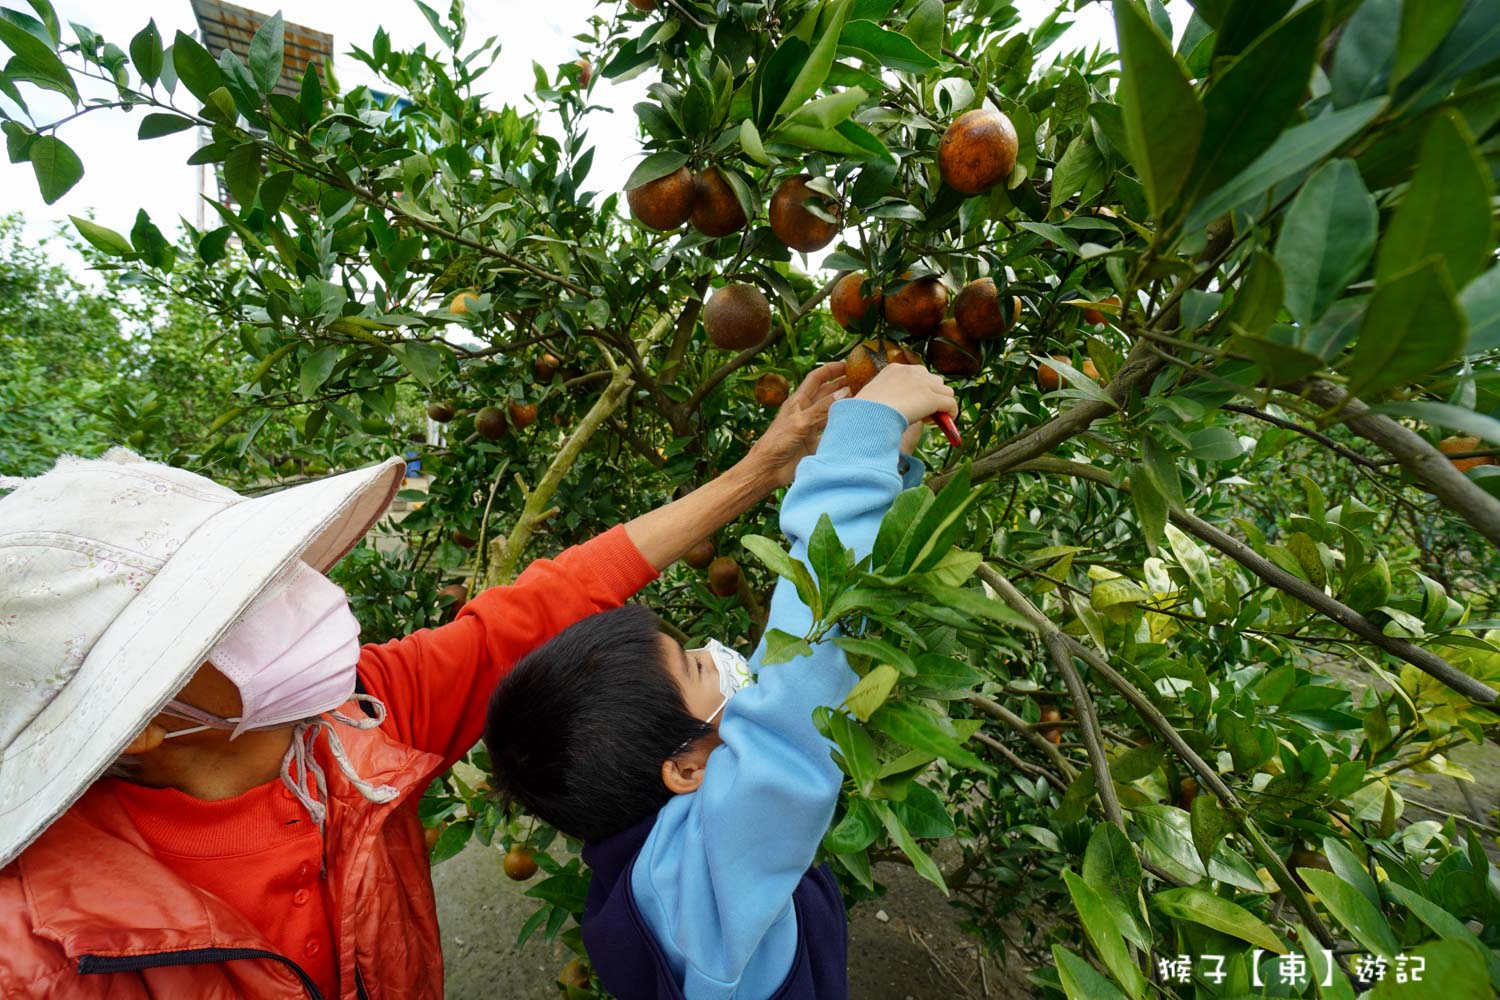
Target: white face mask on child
(734, 672)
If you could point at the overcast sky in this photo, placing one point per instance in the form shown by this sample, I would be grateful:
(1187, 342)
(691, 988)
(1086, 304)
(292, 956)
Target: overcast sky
(124, 174)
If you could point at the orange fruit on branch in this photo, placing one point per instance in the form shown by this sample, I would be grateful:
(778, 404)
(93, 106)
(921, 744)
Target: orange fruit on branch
(977, 151)
(585, 72)
(522, 415)
(737, 316)
(724, 576)
(953, 354)
(1095, 316)
(793, 224)
(868, 358)
(545, 367)
(847, 304)
(519, 863)
(576, 972)
(771, 389)
(665, 203)
(978, 312)
(440, 411)
(1049, 379)
(490, 423)
(464, 302)
(918, 306)
(716, 210)
(700, 555)
(1458, 445)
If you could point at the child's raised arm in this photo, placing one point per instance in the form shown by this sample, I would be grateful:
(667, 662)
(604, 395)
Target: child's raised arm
(715, 879)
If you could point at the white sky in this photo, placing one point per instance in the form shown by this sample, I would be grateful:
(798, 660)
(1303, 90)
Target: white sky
(123, 174)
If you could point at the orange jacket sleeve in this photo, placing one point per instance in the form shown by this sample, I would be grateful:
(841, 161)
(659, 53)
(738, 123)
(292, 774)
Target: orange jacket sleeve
(436, 683)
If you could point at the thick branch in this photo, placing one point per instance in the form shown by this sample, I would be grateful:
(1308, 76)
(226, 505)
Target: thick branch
(687, 321)
(1428, 465)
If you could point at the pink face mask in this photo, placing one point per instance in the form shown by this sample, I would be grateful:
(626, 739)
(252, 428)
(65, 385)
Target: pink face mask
(292, 656)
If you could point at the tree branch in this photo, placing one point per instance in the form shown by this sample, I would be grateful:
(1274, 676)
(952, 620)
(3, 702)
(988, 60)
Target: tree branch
(1428, 465)
(1027, 731)
(1318, 436)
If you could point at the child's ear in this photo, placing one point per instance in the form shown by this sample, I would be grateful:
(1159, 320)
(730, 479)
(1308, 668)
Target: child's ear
(684, 773)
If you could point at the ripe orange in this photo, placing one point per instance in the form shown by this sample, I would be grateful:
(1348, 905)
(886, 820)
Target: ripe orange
(1052, 734)
(1047, 377)
(490, 423)
(665, 203)
(952, 354)
(724, 576)
(522, 415)
(793, 224)
(700, 555)
(771, 389)
(1460, 444)
(716, 211)
(977, 310)
(918, 306)
(463, 303)
(847, 304)
(585, 72)
(519, 863)
(737, 316)
(545, 367)
(1095, 316)
(440, 411)
(977, 151)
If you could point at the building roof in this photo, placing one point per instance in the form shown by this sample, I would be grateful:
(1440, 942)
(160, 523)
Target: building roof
(226, 26)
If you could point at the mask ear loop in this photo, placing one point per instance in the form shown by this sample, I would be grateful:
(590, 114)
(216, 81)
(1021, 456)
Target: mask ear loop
(299, 760)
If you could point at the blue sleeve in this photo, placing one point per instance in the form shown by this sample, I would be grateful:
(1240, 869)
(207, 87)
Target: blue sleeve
(714, 880)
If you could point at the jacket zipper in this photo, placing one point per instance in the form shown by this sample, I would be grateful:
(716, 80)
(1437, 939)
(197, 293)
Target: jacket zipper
(99, 964)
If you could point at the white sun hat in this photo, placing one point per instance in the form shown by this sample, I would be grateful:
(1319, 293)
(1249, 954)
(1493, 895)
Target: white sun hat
(117, 577)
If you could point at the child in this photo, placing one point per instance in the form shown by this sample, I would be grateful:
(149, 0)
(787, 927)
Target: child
(701, 814)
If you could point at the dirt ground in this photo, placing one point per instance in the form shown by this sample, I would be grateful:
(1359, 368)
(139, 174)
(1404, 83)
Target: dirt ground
(903, 947)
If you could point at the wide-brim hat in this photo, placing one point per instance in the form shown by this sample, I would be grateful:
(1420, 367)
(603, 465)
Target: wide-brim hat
(117, 577)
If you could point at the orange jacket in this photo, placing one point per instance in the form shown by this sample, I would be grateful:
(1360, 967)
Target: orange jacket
(88, 911)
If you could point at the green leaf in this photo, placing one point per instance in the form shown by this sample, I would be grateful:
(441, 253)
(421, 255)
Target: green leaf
(1423, 27)
(316, 369)
(1150, 506)
(1326, 240)
(861, 760)
(897, 526)
(1352, 910)
(782, 647)
(1210, 824)
(933, 534)
(266, 50)
(923, 729)
(195, 67)
(154, 126)
(940, 673)
(146, 53)
(1191, 558)
(920, 861)
(1445, 925)
(423, 360)
(777, 561)
(452, 840)
(1365, 52)
(1080, 981)
(1348, 867)
(1445, 415)
(1205, 908)
(1451, 970)
(1104, 934)
(1480, 301)
(828, 112)
(750, 143)
(1446, 210)
(43, 66)
(1298, 148)
(855, 831)
(1259, 297)
(1112, 868)
(103, 239)
(872, 691)
(56, 166)
(1079, 162)
(45, 11)
(885, 48)
(1413, 325)
(242, 173)
(1249, 104)
(1163, 118)
(925, 26)
(923, 814)
(815, 70)
(877, 651)
(654, 166)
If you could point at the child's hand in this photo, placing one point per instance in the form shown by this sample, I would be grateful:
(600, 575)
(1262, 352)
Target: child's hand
(912, 437)
(912, 391)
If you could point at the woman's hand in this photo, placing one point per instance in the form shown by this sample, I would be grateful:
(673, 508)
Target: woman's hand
(794, 434)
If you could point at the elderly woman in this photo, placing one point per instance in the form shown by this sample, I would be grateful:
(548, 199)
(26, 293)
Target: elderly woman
(263, 840)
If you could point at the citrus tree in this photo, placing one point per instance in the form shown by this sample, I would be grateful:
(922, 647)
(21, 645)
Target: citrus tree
(1205, 588)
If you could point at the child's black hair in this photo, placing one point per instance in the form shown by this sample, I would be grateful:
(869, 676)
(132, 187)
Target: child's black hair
(579, 730)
